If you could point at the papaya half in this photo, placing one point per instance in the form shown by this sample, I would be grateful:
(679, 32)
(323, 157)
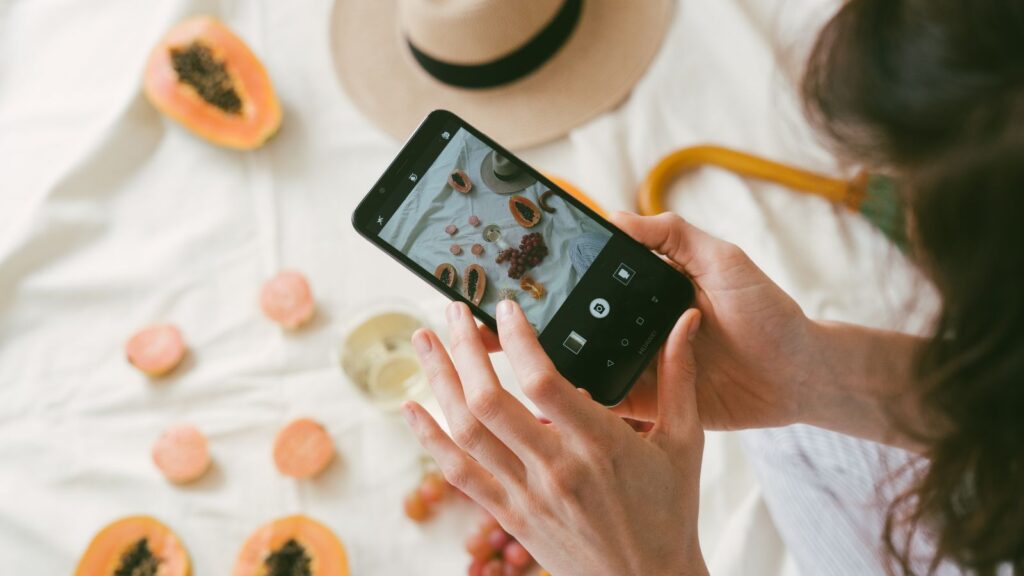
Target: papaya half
(460, 181)
(445, 273)
(135, 545)
(292, 546)
(206, 78)
(474, 283)
(526, 213)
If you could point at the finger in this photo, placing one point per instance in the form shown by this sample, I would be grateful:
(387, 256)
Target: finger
(505, 416)
(537, 375)
(671, 235)
(642, 401)
(677, 380)
(642, 426)
(458, 468)
(490, 339)
(467, 431)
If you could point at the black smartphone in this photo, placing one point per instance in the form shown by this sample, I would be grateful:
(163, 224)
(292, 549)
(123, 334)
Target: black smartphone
(479, 224)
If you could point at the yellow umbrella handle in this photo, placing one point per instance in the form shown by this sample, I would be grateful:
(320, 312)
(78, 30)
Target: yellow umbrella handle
(650, 196)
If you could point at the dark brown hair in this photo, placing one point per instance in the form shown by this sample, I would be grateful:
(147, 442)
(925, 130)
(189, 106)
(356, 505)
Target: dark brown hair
(933, 90)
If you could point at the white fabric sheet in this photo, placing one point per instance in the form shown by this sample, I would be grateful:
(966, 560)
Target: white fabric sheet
(417, 229)
(112, 217)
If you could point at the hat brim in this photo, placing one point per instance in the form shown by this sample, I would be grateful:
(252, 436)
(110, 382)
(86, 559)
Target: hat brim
(611, 47)
(499, 186)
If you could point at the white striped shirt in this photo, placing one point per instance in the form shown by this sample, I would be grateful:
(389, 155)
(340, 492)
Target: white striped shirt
(828, 497)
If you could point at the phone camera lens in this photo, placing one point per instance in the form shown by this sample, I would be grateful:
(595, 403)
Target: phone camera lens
(380, 190)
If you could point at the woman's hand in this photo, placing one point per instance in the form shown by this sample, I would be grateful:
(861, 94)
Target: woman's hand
(755, 347)
(585, 494)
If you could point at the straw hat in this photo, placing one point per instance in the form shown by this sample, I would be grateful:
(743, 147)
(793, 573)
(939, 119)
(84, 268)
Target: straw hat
(502, 175)
(523, 71)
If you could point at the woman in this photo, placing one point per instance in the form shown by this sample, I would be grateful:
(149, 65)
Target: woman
(931, 91)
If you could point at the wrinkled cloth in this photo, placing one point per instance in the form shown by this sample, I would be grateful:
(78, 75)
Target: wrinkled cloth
(113, 217)
(418, 230)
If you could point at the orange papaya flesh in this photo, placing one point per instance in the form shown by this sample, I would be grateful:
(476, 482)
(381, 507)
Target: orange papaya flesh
(526, 213)
(206, 78)
(136, 545)
(292, 546)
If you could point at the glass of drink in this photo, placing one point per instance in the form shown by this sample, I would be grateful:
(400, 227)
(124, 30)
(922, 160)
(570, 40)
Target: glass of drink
(377, 356)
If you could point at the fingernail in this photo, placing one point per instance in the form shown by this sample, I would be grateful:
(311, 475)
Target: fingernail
(505, 309)
(408, 414)
(454, 311)
(694, 326)
(421, 342)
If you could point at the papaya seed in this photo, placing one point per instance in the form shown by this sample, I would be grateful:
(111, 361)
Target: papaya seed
(289, 560)
(197, 67)
(138, 561)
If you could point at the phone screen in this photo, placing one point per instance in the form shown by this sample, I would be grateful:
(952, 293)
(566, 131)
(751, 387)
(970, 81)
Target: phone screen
(481, 225)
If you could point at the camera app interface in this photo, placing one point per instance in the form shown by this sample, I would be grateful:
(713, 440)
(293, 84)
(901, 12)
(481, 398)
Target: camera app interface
(490, 231)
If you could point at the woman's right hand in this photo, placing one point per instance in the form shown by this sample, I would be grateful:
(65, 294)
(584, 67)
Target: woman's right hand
(754, 347)
(585, 494)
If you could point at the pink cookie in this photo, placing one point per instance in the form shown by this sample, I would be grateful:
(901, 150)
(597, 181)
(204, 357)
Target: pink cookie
(181, 453)
(303, 448)
(156, 349)
(287, 299)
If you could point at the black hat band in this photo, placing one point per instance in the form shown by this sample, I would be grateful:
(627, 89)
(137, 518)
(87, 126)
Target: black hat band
(512, 66)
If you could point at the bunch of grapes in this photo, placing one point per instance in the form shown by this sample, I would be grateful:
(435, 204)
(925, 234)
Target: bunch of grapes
(420, 503)
(514, 259)
(495, 552)
(532, 250)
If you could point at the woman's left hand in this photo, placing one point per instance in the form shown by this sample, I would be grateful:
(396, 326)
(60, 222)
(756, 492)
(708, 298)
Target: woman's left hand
(585, 494)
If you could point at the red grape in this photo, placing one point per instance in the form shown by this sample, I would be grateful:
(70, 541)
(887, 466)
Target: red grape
(493, 568)
(477, 567)
(488, 524)
(416, 508)
(479, 547)
(433, 488)
(498, 538)
(516, 555)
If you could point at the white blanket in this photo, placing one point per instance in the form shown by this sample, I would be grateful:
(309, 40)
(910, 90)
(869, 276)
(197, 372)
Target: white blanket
(112, 217)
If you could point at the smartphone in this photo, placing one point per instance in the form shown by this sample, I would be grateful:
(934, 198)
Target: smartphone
(480, 225)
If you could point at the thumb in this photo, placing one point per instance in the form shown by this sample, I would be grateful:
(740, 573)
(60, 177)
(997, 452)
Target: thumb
(677, 381)
(668, 234)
